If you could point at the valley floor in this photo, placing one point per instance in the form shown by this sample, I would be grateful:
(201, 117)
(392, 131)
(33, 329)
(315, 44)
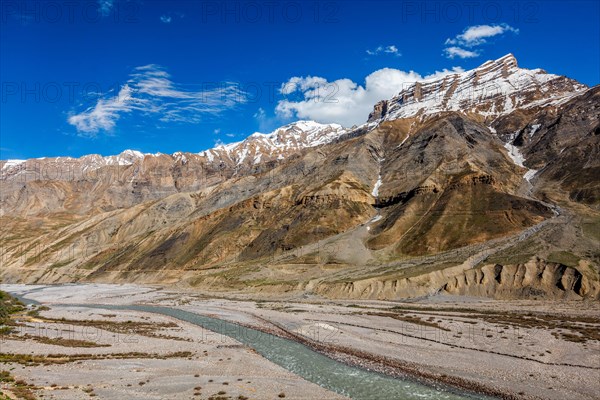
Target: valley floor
(512, 349)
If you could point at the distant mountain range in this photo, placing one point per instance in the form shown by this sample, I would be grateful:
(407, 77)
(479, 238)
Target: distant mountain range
(462, 183)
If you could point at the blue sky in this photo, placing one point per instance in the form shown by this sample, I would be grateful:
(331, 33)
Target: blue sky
(165, 76)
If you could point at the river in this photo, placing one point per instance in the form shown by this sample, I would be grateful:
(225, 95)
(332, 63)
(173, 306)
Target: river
(353, 382)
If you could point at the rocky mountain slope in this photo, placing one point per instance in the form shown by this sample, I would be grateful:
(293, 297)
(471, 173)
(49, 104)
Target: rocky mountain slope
(95, 183)
(495, 166)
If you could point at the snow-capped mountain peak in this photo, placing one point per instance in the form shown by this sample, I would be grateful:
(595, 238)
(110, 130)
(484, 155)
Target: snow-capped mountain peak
(12, 163)
(278, 144)
(495, 88)
(126, 157)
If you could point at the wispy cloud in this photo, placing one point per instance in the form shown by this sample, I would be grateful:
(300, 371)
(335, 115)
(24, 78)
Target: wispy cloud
(105, 7)
(391, 49)
(472, 37)
(106, 112)
(452, 52)
(218, 133)
(168, 17)
(151, 92)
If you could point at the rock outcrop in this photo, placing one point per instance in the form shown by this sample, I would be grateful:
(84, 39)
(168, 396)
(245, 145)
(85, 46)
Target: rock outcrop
(379, 111)
(533, 280)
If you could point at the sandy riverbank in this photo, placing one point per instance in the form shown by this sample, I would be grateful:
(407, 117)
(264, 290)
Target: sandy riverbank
(168, 359)
(520, 349)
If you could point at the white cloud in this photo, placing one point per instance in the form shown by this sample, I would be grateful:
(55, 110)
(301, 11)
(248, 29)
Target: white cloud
(150, 91)
(105, 7)
(384, 50)
(344, 101)
(260, 113)
(477, 35)
(473, 36)
(165, 19)
(106, 112)
(218, 132)
(454, 51)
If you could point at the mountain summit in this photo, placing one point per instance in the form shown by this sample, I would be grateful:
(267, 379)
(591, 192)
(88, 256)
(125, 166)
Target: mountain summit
(495, 88)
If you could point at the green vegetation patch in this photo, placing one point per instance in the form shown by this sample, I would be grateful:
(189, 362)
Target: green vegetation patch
(50, 359)
(591, 228)
(565, 258)
(19, 388)
(8, 306)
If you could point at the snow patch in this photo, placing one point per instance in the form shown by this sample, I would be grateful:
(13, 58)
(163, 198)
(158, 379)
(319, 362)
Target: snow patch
(403, 140)
(133, 153)
(12, 163)
(534, 129)
(180, 156)
(375, 191)
(208, 154)
(515, 155)
(530, 174)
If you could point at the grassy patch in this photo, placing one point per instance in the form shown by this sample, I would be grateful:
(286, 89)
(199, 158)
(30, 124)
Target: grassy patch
(412, 319)
(8, 307)
(19, 388)
(6, 377)
(59, 341)
(579, 329)
(401, 272)
(592, 229)
(55, 359)
(149, 329)
(565, 258)
(507, 258)
(60, 264)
